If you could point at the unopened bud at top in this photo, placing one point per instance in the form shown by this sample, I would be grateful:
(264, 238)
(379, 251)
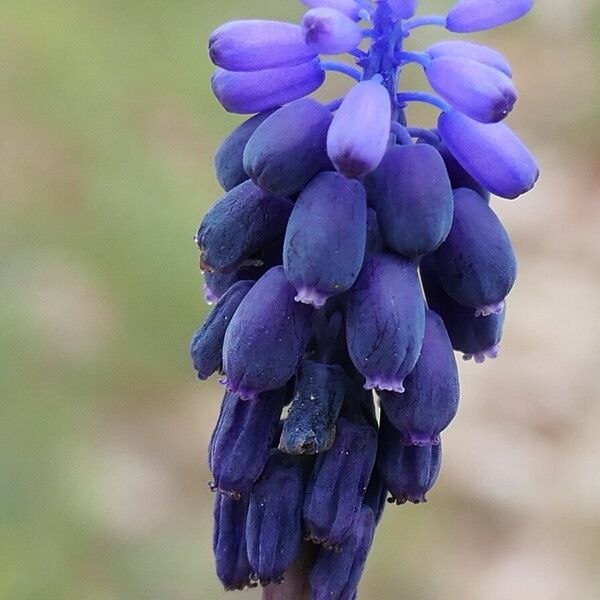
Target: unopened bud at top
(328, 31)
(476, 15)
(256, 45)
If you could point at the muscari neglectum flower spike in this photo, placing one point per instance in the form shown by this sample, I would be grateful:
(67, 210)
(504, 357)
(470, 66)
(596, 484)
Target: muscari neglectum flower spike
(340, 206)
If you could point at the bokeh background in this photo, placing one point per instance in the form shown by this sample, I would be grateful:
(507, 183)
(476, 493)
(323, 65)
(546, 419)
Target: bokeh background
(107, 130)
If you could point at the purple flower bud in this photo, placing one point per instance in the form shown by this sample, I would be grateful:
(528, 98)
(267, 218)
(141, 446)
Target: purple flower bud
(242, 222)
(325, 238)
(310, 424)
(349, 7)
(408, 472)
(385, 321)
(266, 337)
(229, 542)
(207, 344)
(257, 45)
(274, 522)
(359, 133)
(256, 91)
(483, 54)
(413, 199)
(492, 154)
(329, 31)
(289, 148)
(403, 9)
(242, 440)
(475, 337)
(476, 15)
(229, 163)
(374, 239)
(338, 483)
(430, 400)
(476, 264)
(335, 575)
(481, 92)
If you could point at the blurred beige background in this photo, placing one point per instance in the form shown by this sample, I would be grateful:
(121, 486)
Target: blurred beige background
(107, 130)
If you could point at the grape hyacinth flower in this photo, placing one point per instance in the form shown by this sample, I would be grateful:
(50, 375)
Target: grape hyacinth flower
(351, 255)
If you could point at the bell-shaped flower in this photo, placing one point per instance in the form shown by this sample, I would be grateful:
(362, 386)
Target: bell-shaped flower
(413, 199)
(491, 153)
(335, 575)
(206, 348)
(475, 337)
(325, 238)
(266, 337)
(240, 224)
(229, 542)
(467, 16)
(256, 91)
(255, 45)
(408, 472)
(288, 149)
(338, 483)
(329, 31)
(385, 321)
(241, 442)
(461, 49)
(359, 133)
(229, 158)
(274, 521)
(430, 399)
(473, 88)
(476, 264)
(309, 427)
(349, 7)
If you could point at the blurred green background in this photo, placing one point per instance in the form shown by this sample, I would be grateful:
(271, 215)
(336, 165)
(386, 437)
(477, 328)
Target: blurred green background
(107, 130)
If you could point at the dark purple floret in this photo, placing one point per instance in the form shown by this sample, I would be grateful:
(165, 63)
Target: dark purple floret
(338, 483)
(325, 238)
(238, 225)
(385, 321)
(244, 435)
(408, 472)
(335, 575)
(376, 495)
(413, 199)
(430, 399)
(274, 522)
(207, 344)
(374, 239)
(229, 158)
(475, 337)
(476, 264)
(266, 337)
(229, 542)
(288, 149)
(310, 425)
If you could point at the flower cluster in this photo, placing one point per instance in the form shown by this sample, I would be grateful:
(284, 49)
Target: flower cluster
(335, 220)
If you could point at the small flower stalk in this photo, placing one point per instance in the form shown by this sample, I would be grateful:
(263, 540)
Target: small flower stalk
(350, 256)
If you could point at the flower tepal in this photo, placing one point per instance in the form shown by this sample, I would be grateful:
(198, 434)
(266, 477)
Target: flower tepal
(351, 255)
